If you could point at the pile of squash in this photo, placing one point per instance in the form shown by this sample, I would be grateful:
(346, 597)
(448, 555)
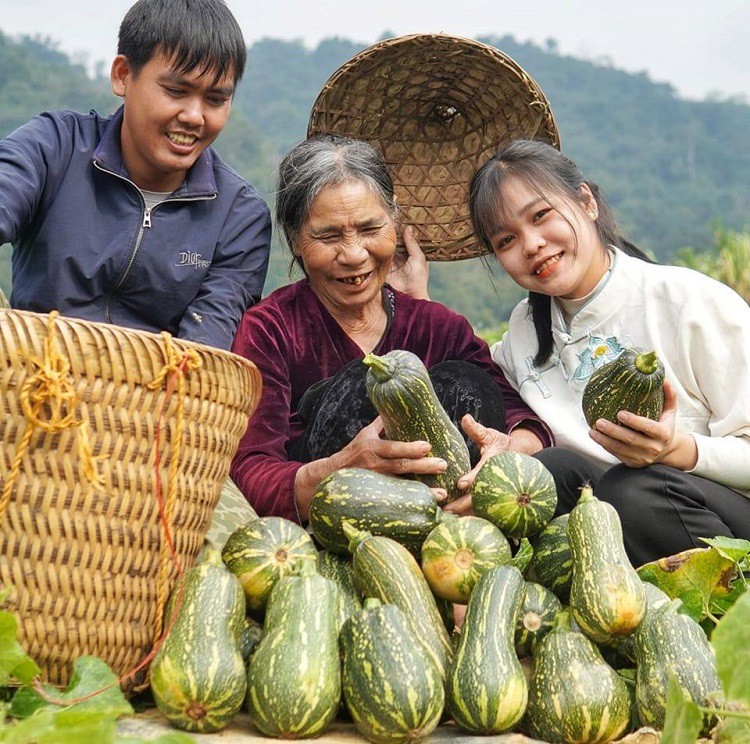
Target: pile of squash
(574, 649)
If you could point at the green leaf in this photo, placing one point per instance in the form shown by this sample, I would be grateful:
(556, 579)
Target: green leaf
(695, 576)
(14, 662)
(732, 731)
(683, 719)
(90, 675)
(731, 641)
(730, 547)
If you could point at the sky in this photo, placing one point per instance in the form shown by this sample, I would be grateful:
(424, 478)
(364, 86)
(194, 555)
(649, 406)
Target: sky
(700, 47)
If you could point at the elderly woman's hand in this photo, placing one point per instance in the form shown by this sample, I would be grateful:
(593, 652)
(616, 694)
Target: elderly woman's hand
(369, 450)
(410, 273)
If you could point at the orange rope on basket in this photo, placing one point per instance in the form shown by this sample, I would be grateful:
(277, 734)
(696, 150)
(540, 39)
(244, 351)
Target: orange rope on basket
(51, 387)
(173, 372)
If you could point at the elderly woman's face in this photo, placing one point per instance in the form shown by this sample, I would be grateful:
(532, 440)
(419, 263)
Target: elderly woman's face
(346, 245)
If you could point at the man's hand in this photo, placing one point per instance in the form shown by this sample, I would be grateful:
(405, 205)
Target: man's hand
(410, 273)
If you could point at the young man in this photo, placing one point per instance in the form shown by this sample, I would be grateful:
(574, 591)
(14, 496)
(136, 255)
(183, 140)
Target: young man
(134, 219)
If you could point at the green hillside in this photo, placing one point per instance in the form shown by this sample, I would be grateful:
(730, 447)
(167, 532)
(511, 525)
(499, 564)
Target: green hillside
(672, 169)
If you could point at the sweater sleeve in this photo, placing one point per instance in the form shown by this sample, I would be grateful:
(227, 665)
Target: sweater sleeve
(715, 331)
(261, 468)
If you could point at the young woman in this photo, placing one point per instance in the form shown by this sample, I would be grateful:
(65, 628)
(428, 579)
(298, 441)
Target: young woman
(591, 295)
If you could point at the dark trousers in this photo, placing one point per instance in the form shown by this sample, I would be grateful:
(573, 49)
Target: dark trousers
(663, 510)
(337, 408)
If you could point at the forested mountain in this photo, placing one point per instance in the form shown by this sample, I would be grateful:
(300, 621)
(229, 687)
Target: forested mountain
(671, 168)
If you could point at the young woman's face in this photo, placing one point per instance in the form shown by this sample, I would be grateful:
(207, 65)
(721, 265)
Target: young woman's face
(346, 245)
(550, 245)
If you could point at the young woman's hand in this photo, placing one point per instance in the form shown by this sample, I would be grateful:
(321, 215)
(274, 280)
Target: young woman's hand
(410, 273)
(640, 441)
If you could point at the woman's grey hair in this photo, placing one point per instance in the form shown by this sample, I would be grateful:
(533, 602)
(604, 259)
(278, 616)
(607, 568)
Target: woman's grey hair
(321, 161)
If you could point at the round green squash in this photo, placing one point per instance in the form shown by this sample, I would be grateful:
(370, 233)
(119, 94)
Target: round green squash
(261, 552)
(537, 616)
(458, 551)
(634, 382)
(551, 564)
(516, 493)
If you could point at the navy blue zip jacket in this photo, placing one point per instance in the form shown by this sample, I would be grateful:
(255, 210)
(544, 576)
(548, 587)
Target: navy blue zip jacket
(85, 244)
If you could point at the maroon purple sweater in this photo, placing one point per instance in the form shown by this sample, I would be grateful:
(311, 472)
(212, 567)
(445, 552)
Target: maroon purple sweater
(295, 342)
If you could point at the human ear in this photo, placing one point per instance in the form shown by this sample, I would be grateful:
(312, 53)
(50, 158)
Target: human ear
(588, 201)
(118, 75)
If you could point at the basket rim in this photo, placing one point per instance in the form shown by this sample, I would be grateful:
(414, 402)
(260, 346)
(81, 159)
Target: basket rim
(483, 63)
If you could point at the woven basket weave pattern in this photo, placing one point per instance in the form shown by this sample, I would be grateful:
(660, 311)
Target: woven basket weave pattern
(85, 562)
(436, 106)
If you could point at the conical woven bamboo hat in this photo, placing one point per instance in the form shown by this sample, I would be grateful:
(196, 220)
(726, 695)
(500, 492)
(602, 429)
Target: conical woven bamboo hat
(436, 106)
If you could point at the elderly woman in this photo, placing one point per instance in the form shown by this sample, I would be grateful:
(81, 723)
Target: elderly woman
(336, 207)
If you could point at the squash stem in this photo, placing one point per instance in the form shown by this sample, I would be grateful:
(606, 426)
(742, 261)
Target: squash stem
(647, 362)
(380, 368)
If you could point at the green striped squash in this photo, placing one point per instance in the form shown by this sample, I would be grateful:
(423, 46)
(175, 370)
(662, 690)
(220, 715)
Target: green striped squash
(574, 695)
(261, 552)
(250, 635)
(515, 492)
(551, 564)
(339, 570)
(401, 391)
(294, 675)
(606, 595)
(458, 551)
(537, 616)
(387, 571)
(393, 691)
(487, 690)
(669, 642)
(404, 510)
(198, 674)
(634, 381)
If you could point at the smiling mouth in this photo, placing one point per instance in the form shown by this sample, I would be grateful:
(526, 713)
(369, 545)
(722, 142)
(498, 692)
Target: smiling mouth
(355, 280)
(549, 262)
(181, 139)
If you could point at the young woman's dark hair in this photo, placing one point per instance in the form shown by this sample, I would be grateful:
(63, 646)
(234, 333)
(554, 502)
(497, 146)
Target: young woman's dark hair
(200, 35)
(549, 173)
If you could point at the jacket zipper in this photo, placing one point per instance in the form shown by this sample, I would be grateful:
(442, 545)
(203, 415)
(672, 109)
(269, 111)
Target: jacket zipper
(145, 223)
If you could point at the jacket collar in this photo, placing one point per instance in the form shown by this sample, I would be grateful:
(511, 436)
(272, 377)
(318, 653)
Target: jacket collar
(200, 181)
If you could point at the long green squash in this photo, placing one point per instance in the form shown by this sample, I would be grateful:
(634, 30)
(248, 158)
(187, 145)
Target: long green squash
(339, 569)
(671, 643)
(634, 381)
(387, 571)
(198, 675)
(401, 391)
(575, 696)
(393, 691)
(551, 564)
(606, 594)
(294, 675)
(487, 691)
(402, 509)
(536, 618)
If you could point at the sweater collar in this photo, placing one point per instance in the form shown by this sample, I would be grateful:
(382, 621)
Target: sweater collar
(200, 181)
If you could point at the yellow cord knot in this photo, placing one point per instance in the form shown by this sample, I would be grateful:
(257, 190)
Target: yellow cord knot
(48, 401)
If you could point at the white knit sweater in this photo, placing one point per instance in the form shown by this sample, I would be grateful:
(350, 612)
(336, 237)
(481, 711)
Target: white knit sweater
(699, 328)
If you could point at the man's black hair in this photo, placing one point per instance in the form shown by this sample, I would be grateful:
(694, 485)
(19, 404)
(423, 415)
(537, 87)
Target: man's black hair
(200, 35)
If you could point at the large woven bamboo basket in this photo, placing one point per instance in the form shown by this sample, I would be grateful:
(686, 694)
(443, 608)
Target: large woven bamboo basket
(436, 106)
(98, 424)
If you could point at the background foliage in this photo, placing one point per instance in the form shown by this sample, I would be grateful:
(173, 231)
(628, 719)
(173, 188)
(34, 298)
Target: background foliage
(672, 169)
